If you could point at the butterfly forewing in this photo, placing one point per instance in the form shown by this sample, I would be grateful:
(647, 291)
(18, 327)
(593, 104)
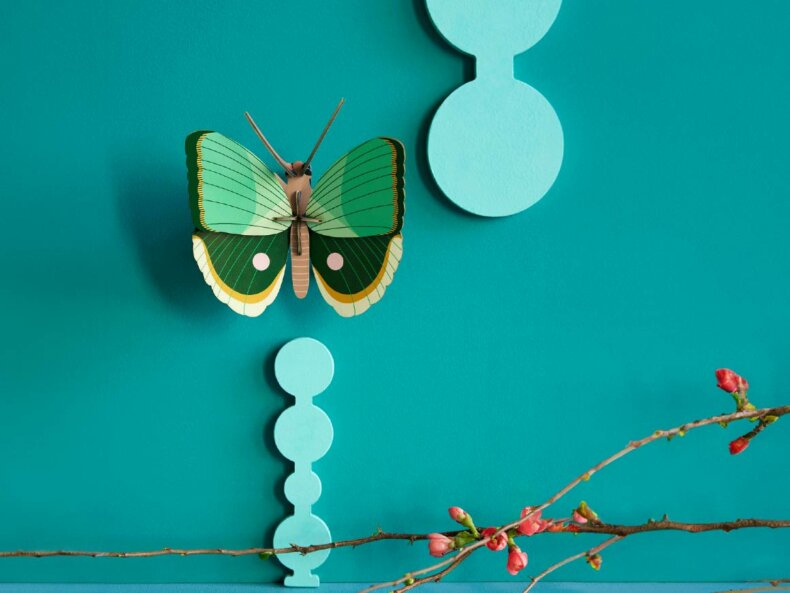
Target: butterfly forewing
(230, 189)
(361, 194)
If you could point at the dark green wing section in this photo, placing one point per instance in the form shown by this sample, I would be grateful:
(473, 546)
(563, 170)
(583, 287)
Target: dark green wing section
(352, 274)
(230, 189)
(362, 194)
(245, 272)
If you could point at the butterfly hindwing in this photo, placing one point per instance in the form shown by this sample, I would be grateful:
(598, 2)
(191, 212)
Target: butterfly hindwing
(352, 274)
(244, 271)
(230, 189)
(361, 194)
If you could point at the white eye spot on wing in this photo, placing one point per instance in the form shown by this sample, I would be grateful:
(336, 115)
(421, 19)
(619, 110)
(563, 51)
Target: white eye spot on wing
(260, 261)
(335, 261)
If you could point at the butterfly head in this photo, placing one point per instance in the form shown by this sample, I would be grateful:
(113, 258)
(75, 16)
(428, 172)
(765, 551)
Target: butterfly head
(299, 168)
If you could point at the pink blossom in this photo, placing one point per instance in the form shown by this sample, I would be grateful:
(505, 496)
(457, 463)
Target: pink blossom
(516, 560)
(579, 518)
(731, 382)
(738, 445)
(457, 514)
(497, 543)
(532, 525)
(439, 545)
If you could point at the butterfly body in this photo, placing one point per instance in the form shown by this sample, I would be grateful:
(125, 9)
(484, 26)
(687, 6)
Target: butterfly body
(298, 188)
(248, 220)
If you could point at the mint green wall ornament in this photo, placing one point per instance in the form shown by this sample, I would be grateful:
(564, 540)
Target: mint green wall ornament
(303, 433)
(495, 145)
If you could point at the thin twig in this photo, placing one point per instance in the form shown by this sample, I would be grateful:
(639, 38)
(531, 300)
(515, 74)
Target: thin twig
(603, 528)
(758, 589)
(378, 536)
(451, 563)
(632, 446)
(667, 525)
(561, 563)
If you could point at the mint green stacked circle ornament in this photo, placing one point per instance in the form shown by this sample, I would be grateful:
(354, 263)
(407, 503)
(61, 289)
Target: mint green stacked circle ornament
(495, 145)
(303, 433)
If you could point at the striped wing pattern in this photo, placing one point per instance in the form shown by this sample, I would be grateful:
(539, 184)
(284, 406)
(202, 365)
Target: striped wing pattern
(230, 189)
(369, 265)
(228, 263)
(241, 249)
(360, 204)
(361, 194)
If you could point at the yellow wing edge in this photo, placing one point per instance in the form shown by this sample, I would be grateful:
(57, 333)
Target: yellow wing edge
(251, 305)
(349, 305)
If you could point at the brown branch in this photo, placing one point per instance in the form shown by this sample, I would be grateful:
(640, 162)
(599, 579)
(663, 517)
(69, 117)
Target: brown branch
(568, 560)
(667, 525)
(451, 563)
(410, 582)
(632, 446)
(378, 536)
(604, 528)
(758, 589)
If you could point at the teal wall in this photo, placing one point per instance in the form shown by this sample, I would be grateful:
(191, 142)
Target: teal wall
(136, 411)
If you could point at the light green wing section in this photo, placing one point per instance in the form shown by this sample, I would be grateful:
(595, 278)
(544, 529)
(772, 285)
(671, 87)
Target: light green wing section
(362, 194)
(230, 189)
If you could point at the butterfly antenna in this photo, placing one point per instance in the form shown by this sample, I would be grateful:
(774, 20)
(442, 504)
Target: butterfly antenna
(323, 134)
(268, 146)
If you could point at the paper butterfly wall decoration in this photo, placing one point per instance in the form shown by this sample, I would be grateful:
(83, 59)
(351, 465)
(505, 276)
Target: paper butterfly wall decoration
(247, 219)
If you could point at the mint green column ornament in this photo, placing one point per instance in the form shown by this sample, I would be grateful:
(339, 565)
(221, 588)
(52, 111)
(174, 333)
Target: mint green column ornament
(303, 433)
(495, 145)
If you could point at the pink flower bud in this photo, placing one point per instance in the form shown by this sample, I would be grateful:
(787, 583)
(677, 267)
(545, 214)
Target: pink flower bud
(457, 514)
(516, 560)
(578, 517)
(738, 445)
(532, 525)
(731, 382)
(439, 545)
(497, 543)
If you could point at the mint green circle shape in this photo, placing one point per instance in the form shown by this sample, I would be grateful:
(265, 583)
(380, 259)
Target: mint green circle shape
(303, 488)
(303, 530)
(500, 28)
(304, 367)
(303, 433)
(495, 146)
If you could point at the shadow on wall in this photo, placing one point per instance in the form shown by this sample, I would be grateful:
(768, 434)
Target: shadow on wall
(152, 204)
(278, 484)
(420, 160)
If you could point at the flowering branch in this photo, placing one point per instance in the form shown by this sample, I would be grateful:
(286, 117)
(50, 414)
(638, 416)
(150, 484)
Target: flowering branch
(531, 523)
(603, 528)
(462, 543)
